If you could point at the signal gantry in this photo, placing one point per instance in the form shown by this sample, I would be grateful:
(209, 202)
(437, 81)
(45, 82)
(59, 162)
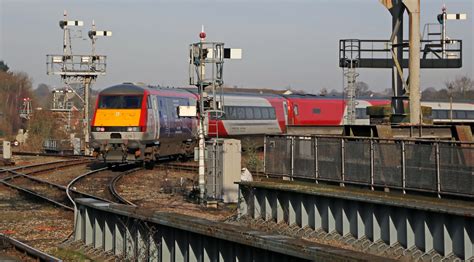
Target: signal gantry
(80, 69)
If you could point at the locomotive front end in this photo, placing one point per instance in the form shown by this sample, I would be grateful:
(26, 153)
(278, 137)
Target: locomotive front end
(119, 126)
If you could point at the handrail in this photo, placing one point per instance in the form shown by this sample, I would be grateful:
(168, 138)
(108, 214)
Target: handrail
(434, 166)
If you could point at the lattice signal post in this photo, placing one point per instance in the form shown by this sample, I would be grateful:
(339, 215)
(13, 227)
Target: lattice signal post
(82, 69)
(442, 19)
(206, 66)
(26, 109)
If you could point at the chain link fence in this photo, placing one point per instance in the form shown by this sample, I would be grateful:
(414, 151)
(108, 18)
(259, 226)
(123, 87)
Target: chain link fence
(443, 167)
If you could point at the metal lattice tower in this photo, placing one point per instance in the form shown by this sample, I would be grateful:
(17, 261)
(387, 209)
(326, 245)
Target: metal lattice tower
(26, 109)
(350, 74)
(206, 66)
(63, 105)
(80, 69)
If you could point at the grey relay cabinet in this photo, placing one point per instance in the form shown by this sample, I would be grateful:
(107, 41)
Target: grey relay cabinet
(223, 169)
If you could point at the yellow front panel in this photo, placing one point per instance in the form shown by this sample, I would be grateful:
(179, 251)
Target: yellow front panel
(117, 117)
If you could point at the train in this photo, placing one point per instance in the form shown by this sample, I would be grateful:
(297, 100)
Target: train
(134, 122)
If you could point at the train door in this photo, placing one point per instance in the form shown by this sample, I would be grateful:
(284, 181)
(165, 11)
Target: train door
(285, 111)
(156, 117)
(164, 118)
(151, 118)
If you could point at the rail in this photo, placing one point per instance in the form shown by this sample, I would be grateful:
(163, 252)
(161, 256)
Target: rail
(31, 251)
(440, 167)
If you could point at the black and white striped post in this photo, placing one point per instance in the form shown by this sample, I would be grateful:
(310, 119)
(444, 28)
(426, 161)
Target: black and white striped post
(93, 34)
(65, 24)
(442, 19)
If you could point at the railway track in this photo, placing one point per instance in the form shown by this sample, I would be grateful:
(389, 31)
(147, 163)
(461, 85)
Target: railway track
(102, 184)
(57, 194)
(22, 153)
(8, 173)
(31, 252)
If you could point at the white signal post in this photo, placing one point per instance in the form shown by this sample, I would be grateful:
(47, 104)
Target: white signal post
(213, 54)
(202, 115)
(443, 18)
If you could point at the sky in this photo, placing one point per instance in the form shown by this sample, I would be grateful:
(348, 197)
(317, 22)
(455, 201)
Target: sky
(286, 44)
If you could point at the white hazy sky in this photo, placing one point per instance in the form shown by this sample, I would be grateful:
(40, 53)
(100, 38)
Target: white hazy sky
(286, 43)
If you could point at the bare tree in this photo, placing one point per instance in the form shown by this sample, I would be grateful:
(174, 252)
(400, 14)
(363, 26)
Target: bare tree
(323, 92)
(3, 66)
(461, 85)
(362, 89)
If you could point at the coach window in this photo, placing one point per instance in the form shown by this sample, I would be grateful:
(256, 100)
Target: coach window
(316, 111)
(249, 113)
(470, 114)
(460, 114)
(295, 110)
(443, 114)
(257, 113)
(265, 113)
(231, 112)
(272, 113)
(240, 113)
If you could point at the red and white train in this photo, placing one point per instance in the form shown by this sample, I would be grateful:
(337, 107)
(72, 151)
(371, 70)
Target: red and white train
(135, 122)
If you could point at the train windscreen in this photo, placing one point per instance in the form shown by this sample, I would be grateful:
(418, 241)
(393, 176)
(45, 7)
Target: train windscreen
(120, 102)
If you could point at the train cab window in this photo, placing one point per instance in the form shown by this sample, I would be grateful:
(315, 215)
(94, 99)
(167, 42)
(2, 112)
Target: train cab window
(316, 111)
(120, 102)
(249, 113)
(257, 113)
(361, 113)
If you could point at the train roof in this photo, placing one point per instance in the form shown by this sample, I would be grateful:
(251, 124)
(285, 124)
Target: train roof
(137, 89)
(241, 94)
(125, 88)
(329, 97)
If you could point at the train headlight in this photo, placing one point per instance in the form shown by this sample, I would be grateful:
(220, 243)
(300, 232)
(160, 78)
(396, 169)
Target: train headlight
(102, 129)
(97, 129)
(133, 129)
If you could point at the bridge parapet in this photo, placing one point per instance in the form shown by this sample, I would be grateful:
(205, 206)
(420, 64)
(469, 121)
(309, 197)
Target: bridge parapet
(439, 167)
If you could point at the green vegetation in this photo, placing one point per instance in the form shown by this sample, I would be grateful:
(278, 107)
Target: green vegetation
(70, 255)
(251, 159)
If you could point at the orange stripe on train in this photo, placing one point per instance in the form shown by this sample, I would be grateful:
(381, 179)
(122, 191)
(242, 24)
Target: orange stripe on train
(117, 117)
